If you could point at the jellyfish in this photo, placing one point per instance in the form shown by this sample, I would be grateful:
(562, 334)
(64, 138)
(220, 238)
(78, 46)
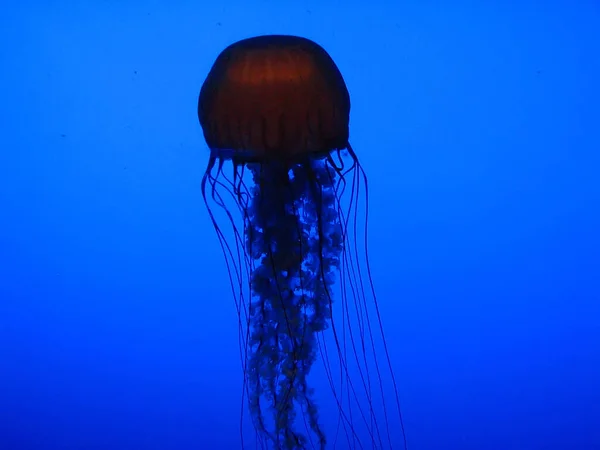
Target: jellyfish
(283, 188)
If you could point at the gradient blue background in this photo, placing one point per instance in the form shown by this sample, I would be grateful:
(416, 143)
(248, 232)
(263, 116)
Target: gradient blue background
(479, 129)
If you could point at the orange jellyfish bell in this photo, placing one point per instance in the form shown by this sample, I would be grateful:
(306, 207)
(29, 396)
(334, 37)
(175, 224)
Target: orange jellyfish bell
(274, 98)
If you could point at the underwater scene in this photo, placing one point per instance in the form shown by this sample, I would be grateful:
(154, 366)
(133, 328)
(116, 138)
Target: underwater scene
(300, 225)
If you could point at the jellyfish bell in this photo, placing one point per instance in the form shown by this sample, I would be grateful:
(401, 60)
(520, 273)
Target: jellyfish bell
(274, 98)
(275, 112)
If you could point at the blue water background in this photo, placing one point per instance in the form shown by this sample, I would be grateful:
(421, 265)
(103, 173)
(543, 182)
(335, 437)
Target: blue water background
(478, 125)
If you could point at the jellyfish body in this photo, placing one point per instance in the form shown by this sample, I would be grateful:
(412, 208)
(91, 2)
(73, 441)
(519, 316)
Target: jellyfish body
(276, 110)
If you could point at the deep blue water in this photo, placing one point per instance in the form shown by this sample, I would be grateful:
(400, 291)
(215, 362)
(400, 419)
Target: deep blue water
(478, 126)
